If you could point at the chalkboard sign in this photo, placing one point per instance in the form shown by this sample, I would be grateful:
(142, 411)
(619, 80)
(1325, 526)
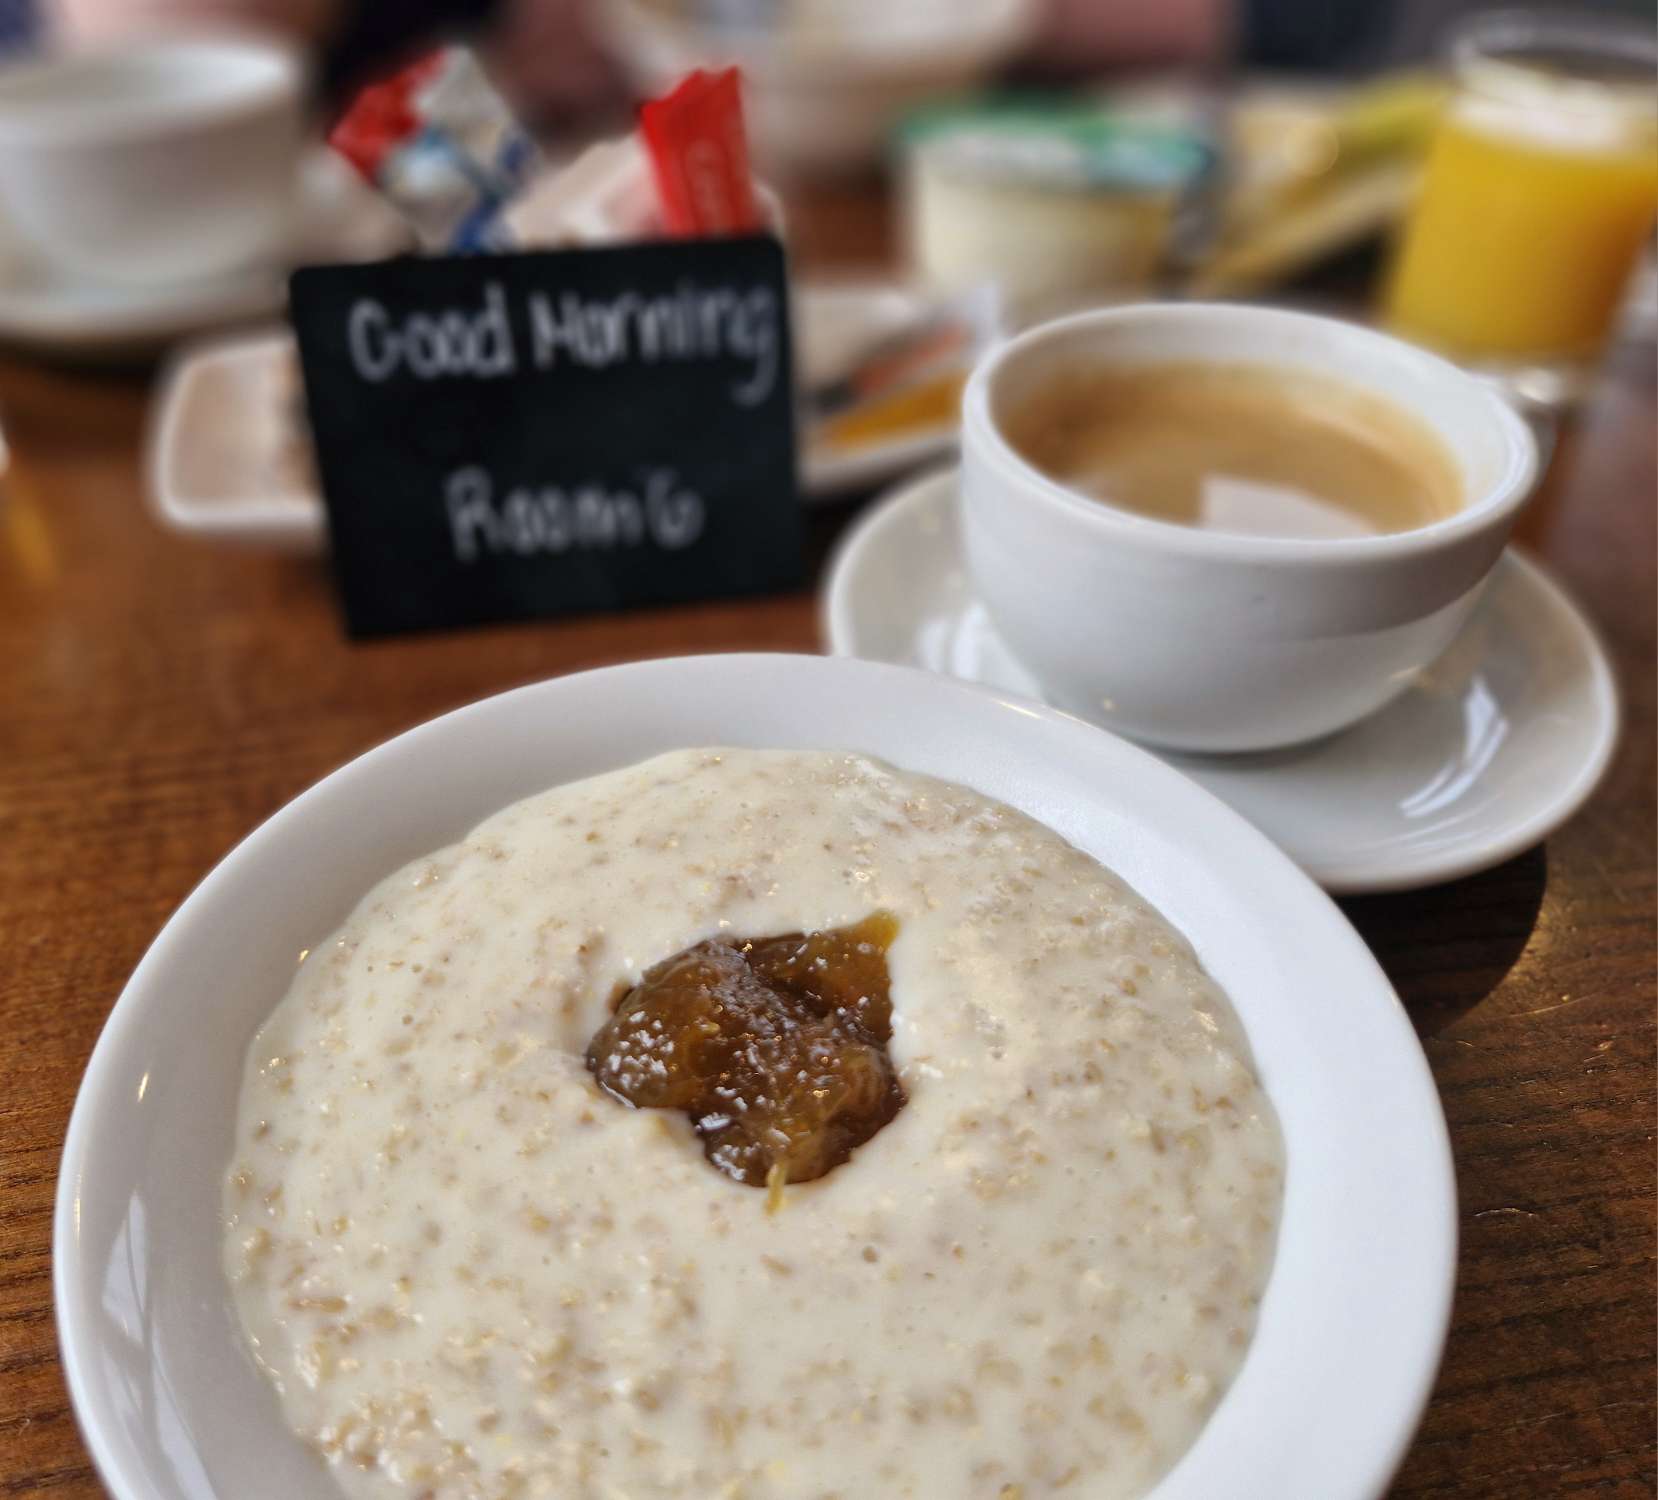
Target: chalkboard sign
(518, 435)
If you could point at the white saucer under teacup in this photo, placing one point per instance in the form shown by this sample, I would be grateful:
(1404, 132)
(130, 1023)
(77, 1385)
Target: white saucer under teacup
(1482, 756)
(159, 187)
(48, 307)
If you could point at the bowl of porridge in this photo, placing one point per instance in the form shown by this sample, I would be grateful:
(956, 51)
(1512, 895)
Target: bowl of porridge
(757, 1077)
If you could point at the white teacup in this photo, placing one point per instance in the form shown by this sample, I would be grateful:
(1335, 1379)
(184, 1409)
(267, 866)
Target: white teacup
(1200, 640)
(153, 162)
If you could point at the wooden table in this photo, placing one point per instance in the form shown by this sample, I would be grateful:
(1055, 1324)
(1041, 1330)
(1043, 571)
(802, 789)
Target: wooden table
(159, 698)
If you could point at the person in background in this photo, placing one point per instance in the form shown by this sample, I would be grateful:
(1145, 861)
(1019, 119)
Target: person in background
(544, 55)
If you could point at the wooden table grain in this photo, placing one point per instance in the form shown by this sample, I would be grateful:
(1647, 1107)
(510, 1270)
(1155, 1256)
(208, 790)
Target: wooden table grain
(159, 697)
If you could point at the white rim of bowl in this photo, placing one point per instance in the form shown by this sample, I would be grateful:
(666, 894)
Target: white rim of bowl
(1502, 499)
(283, 78)
(1439, 1237)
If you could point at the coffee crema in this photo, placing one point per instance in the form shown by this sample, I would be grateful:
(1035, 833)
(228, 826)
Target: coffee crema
(1242, 448)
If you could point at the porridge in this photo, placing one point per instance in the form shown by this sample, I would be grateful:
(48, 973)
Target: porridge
(1021, 1254)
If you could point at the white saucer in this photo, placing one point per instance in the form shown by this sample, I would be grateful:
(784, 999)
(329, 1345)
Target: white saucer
(45, 308)
(1488, 752)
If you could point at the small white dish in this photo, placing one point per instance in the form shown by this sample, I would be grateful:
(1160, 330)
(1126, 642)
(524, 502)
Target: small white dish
(1497, 745)
(227, 455)
(1354, 1315)
(227, 460)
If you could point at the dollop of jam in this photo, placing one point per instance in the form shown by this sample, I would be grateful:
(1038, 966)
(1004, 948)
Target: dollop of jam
(776, 1048)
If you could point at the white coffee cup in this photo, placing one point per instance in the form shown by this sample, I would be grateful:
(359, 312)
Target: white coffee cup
(153, 162)
(1204, 641)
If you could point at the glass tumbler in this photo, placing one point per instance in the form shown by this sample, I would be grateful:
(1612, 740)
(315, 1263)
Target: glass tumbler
(1537, 200)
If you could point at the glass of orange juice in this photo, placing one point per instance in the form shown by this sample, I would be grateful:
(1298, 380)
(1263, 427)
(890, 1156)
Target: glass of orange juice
(1538, 197)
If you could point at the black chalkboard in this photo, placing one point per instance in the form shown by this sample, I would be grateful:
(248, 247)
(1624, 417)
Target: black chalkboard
(509, 436)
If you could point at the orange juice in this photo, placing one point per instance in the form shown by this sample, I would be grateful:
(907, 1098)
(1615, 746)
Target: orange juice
(1539, 192)
(1519, 247)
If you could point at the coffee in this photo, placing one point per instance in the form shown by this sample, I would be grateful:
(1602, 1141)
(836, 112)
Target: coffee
(1251, 449)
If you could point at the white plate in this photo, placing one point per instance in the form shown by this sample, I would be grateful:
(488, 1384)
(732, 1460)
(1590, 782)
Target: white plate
(1485, 754)
(1356, 1309)
(47, 309)
(834, 322)
(226, 461)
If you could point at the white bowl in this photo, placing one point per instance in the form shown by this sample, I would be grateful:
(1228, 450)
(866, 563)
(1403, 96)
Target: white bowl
(156, 162)
(1356, 1309)
(821, 98)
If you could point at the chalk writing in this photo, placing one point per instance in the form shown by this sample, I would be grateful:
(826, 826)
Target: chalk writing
(687, 324)
(530, 519)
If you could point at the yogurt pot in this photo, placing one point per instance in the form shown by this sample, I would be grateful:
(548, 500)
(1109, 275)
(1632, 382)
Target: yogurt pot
(1056, 206)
